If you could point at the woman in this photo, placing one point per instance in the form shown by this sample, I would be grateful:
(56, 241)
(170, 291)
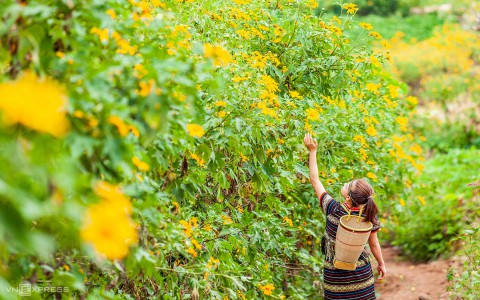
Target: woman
(343, 284)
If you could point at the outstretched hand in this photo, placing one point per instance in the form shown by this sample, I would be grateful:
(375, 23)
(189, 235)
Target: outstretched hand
(310, 142)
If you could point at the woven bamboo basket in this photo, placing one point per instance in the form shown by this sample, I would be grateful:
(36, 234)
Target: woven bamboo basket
(352, 235)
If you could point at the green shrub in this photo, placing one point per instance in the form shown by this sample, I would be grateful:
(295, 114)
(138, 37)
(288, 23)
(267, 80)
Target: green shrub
(465, 283)
(441, 136)
(426, 222)
(190, 115)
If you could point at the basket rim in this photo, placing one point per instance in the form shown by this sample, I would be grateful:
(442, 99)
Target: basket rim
(355, 229)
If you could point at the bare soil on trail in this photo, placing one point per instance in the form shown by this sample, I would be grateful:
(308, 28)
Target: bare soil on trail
(408, 281)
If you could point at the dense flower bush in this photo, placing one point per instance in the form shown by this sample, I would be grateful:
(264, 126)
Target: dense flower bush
(154, 148)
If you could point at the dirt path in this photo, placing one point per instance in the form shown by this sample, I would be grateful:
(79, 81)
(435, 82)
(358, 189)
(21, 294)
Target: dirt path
(408, 281)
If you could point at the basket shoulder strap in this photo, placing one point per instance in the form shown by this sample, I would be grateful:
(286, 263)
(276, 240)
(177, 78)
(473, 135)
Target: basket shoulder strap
(346, 208)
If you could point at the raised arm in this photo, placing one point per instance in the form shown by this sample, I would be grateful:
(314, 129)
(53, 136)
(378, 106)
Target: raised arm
(377, 253)
(312, 165)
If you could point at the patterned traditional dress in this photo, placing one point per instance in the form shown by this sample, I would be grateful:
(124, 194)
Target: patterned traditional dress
(344, 284)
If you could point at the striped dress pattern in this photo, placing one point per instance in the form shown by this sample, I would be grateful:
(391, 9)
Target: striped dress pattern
(344, 284)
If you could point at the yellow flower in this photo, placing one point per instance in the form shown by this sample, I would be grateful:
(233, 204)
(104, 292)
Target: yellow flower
(39, 104)
(192, 252)
(193, 222)
(140, 71)
(372, 176)
(199, 160)
(371, 131)
(364, 154)
(213, 263)
(422, 200)
(220, 103)
(78, 114)
(403, 122)
(393, 90)
(412, 99)
(111, 13)
(220, 56)
(124, 46)
(244, 158)
(175, 204)
(366, 26)
(181, 97)
(350, 8)
(375, 35)
(187, 228)
(145, 88)
(312, 4)
(241, 295)
(288, 220)
(221, 114)
(402, 202)
(416, 148)
(240, 209)
(195, 130)
(142, 166)
(196, 244)
(112, 242)
(267, 289)
(312, 114)
(238, 79)
(122, 127)
(227, 220)
(295, 94)
(373, 87)
(101, 33)
(269, 83)
(113, 194)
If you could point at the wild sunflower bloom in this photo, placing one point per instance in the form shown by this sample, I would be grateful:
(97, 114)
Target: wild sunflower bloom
(422, 200)
(267, 289)
(288, 220)
(101, 33)
(375, 35)
(220, 56)
(111, 13)
(366, 26)
(114, 195)
(412, 100)
(373, 87)
(350, 8)
(39, 104)
(200, 161)
(403, 122)
(295, 94)
(112, 242)
(372, 176)
(312, 114)
(195, 130)
(192, 252)
(141, 165)
(371, 131)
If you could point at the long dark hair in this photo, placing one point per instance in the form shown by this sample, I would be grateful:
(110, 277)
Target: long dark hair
(361, 193)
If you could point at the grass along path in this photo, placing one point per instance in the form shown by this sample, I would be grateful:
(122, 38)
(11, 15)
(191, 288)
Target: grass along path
(407, 281)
